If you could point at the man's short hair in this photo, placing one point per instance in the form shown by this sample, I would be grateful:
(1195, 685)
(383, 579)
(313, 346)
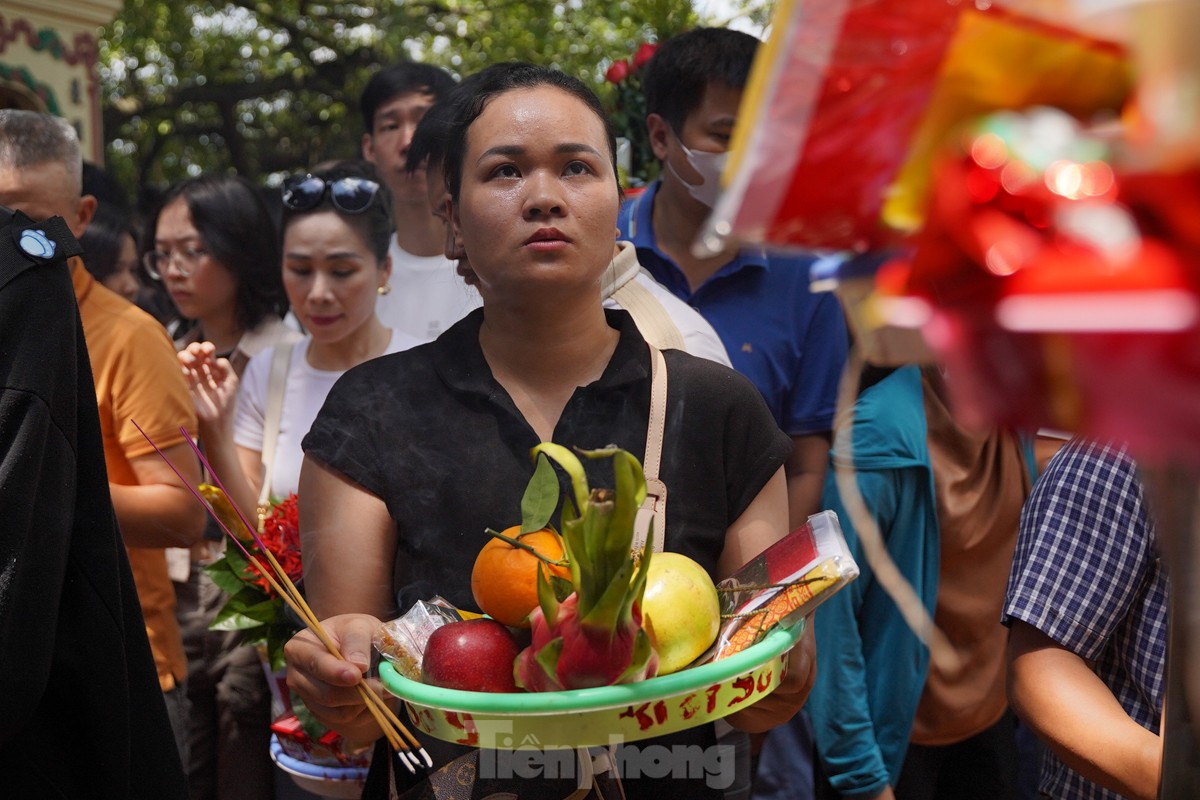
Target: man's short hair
(684, 66)
(397, 79)
(31, 138)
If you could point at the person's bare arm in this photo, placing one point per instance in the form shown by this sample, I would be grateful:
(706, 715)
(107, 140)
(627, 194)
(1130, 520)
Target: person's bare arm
(762, 524)
(1075, 714)
(805, 469)
(160, 511)
(349, 542)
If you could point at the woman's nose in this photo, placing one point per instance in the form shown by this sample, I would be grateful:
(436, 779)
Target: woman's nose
(321, 288)
(543, 196)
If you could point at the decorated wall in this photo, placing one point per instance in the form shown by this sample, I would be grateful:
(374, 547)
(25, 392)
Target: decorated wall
(48, 57)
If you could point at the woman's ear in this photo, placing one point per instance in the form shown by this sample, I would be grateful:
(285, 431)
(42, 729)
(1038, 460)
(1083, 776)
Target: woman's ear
(454, 239)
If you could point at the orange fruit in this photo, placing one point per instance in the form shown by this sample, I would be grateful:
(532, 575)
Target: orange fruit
(504, 578)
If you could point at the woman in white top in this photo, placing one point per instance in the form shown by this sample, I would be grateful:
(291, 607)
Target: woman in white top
(336, 229)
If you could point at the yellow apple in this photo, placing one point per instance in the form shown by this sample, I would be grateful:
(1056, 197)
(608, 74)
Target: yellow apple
(680, 610)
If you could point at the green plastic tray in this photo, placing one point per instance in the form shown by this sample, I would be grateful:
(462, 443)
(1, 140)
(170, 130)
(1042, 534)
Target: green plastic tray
(601, 716)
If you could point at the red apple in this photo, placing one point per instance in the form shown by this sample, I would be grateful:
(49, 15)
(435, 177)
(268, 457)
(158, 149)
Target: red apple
(475, 655)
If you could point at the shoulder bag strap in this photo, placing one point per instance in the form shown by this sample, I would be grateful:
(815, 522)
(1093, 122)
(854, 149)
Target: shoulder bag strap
(652, 320)
(622, 285)
(654, 508)
(280, 360)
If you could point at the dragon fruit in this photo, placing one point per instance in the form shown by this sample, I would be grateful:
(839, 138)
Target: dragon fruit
(594, 637)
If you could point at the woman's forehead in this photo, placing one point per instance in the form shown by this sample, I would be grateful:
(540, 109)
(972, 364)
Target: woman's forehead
(545, 112)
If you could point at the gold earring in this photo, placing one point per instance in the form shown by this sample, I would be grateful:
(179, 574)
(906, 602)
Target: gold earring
(387, 287)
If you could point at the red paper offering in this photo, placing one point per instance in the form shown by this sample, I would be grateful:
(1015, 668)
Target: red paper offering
(849, 101)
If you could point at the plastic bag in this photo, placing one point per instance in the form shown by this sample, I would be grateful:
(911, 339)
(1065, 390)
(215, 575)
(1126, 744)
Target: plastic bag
(402, 640)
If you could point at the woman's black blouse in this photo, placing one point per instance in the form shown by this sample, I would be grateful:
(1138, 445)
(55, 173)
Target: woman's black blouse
(432, 433)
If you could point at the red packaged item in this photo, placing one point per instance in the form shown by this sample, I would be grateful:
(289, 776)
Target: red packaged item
(329, 750)
(783, 583)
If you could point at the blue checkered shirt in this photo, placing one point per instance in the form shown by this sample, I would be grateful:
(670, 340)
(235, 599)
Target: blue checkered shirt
(1087, 574)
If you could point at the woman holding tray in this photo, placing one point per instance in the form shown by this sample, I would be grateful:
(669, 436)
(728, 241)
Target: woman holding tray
(414, 455)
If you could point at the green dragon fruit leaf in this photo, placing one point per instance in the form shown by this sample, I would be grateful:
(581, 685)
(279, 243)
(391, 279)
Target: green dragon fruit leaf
(547, 594)
(642, 649)
(547, 658)
(574, 469)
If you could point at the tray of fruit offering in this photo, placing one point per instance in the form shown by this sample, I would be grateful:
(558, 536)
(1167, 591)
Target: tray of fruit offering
(621, 645)
(601, 715)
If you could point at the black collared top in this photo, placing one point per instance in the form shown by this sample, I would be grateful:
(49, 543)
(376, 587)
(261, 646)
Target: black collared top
(431, 432)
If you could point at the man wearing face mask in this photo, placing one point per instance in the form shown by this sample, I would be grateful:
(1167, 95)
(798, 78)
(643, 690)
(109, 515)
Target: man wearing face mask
(789, 342)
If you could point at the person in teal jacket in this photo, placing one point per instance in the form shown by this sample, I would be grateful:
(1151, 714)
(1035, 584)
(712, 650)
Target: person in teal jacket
(870, 666)
(873, 672)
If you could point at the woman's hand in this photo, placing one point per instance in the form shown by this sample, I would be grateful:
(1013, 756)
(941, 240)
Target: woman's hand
(789, 697)
(212, 383)
(326, 683)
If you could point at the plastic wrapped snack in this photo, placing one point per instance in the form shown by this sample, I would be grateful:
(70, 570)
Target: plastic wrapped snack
(782, 584)
(402, 640)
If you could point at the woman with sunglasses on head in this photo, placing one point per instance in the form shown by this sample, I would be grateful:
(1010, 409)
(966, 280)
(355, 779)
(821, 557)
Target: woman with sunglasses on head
(335, 232)
(414, 455)
(210, 243)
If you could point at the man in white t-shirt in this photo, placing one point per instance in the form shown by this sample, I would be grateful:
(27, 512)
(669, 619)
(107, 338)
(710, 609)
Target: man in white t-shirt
(425, 296)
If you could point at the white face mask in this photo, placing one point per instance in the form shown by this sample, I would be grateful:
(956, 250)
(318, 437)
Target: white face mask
(709, 166)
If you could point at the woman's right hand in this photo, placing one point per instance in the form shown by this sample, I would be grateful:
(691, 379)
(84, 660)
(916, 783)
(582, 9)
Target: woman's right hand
(326, 683)
(212, 383)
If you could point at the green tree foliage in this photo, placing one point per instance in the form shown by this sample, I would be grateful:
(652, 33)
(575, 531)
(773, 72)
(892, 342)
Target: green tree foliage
(261, 88)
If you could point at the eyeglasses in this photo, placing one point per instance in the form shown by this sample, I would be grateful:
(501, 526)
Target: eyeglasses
(349, 195)
(185, 259)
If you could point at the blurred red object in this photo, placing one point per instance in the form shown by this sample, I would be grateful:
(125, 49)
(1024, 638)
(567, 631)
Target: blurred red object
(1062, 293)
(850, 100)
(329, 750)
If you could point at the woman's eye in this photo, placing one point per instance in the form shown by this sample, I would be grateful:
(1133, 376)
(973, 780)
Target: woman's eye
(343, 273)
(578, 168)
(300, 272)
(505, 171)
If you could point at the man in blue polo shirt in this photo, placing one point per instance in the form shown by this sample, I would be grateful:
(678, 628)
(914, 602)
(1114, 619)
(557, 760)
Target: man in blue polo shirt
(789, 342)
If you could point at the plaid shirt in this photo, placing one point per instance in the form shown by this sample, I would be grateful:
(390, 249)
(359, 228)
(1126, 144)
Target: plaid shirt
(1087, 574)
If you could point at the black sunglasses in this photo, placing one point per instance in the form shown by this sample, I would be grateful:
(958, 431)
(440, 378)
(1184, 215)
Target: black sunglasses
(349, 195)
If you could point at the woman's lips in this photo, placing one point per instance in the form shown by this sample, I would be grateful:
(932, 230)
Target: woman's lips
(547, 239)
(323, 319)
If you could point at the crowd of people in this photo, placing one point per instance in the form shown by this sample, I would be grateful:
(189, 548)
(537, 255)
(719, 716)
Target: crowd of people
(389, 334)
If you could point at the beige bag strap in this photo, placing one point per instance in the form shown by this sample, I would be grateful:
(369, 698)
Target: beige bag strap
(654, 508)
(652, 320)
(620, 282)
(281, 358)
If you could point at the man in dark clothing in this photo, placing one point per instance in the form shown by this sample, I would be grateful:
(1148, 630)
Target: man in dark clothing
(81, 711)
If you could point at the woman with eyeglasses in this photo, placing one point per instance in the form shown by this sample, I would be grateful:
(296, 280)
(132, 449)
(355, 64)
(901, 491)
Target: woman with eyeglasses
(211, 244)
(414, 455)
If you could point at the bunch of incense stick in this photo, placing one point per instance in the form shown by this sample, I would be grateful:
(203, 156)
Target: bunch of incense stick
(398, 736)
